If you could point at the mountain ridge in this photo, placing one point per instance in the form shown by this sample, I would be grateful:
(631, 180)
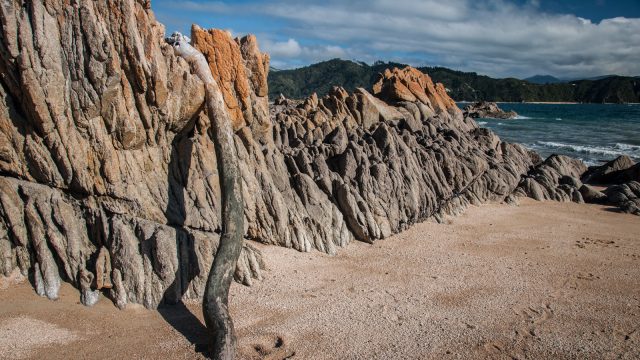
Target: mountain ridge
(462, 86)
(543, 79)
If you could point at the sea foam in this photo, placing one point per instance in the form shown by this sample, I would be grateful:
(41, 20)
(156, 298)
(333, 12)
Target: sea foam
(617, 150)
(627, 147)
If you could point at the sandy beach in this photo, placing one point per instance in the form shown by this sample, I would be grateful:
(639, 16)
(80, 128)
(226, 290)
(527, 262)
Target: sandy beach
(541, 280)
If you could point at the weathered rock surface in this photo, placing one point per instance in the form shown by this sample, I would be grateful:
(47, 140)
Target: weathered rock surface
(388, 175)
(618, 171)
(241, 69)
(486, 109)
(592, 195)
(625, 196)
(108, 176)
(557, 178)
(103, 145)
(412, 85)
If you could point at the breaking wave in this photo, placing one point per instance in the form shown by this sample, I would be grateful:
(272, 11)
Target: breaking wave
(616, 150)
(627, 147)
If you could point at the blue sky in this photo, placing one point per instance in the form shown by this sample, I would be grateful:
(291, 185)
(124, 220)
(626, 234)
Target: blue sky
(499, 38)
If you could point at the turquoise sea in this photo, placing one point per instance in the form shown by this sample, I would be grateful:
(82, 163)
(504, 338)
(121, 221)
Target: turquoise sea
(591, 132)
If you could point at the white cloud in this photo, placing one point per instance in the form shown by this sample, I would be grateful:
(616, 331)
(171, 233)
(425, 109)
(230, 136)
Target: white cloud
(286, 49)
(494, 37)
(285, 54)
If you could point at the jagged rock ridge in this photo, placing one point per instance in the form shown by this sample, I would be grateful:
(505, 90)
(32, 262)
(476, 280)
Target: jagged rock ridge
(108, 178)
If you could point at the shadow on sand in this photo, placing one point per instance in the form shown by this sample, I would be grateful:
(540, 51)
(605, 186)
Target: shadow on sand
(171, 308)
(186, 323)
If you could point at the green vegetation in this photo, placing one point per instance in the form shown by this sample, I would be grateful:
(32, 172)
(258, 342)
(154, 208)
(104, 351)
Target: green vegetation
(543, 79)
(321, 77)
(469, 86)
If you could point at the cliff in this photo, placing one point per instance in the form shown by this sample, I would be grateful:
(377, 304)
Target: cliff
(108, 177)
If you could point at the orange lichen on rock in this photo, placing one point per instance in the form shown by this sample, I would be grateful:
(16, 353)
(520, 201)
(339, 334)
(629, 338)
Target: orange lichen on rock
(241, 71)
(412, 85)
(227, 66)
(257, 64)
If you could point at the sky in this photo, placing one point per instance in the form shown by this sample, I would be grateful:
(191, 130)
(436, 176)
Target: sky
(499, 38)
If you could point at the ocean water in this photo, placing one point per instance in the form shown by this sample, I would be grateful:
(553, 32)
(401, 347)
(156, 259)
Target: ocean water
(594, 133)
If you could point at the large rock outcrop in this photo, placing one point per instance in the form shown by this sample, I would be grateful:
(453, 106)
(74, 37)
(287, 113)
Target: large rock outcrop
(388, 172)
(108, 177)
(104, 150)
(557, 178)
(412, 85)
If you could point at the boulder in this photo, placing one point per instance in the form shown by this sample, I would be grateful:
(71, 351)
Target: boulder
(412, 85)
(618, 171)
(374, 110)
(556, 179)
(592, 195)
(487, 109)
(625, 196)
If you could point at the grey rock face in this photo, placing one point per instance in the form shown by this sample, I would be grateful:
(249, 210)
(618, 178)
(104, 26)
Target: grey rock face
(557, 178)
(625, 196)
(107, 177)
(624, 174)
(391, 175)
(591, 195)
(618, 171)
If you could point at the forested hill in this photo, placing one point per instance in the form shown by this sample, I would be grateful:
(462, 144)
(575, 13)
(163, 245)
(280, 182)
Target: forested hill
(321, 77)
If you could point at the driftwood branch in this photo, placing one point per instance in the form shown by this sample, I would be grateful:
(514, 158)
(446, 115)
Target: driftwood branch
(215, 302)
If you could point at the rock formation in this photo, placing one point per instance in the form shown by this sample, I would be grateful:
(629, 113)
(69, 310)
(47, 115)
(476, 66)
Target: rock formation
(625, 196)
(102, 146)
(561, 178)
(557, 178)
(108, 180)
(486, 109)
(618, 171)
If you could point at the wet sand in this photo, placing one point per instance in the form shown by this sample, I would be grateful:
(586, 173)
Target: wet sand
(541, 280)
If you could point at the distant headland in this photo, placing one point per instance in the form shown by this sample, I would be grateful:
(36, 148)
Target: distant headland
(461, 86)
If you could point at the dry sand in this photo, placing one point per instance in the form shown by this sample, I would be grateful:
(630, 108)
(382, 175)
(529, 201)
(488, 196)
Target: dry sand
(542, 280)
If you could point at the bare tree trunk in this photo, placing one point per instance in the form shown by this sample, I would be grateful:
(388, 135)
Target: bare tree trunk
(215, 303)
